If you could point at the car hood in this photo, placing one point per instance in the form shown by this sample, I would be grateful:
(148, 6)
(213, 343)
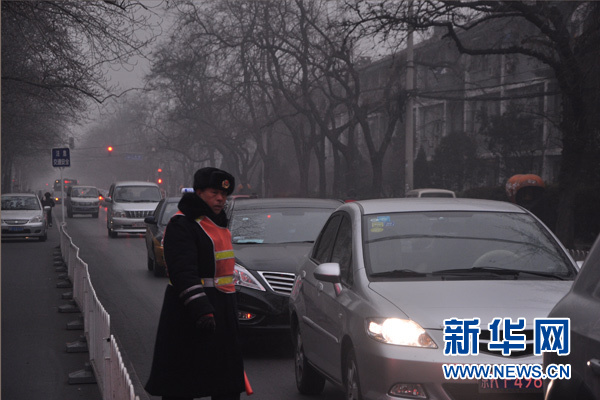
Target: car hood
(141, 206)
(284, 257)
(429, 303)
(8, 215)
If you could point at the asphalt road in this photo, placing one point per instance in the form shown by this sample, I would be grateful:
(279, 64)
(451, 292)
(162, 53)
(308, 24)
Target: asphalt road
(130, 294)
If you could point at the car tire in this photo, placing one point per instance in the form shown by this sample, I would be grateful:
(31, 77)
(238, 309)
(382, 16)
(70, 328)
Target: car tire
(43, 238)
(308, 379)
(112, 234)
(351, 382)
(158, 270)
(150, 264)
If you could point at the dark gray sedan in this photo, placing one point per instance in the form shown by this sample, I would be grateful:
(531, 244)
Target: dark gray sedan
(271, 238)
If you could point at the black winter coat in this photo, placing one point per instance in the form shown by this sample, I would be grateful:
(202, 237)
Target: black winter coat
(187, 361)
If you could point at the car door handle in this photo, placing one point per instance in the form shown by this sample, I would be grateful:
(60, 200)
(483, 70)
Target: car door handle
(594, 364)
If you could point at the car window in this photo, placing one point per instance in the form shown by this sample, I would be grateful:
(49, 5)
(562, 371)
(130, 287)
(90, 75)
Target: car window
(430, 242)
(84, 192)
(280, 225)
(324, 245)
(20, 203)
(137, 194)
(342, 250)
(170, 210)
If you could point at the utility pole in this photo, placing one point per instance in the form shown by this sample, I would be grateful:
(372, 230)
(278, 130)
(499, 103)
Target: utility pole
(409, 123)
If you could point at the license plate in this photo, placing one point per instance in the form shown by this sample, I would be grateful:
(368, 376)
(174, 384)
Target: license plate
(510, 386)
(15, 228)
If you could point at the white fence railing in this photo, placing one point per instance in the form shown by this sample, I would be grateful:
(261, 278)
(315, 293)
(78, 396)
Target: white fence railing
(106, 361)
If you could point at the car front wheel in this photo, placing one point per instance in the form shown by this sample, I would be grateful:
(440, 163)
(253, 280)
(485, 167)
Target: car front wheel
(308, 380)
(352, 384)
(112, 234)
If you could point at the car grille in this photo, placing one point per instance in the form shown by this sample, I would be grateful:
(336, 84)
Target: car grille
(279, 282)
(85, 204)
(138, 214)
(485, 338)
(16, 221)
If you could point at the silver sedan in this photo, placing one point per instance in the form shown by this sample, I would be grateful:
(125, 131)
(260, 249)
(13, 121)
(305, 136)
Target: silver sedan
(371, 304)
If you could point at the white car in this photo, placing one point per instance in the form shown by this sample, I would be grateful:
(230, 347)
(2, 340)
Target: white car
(23, 217)
(127, 204)
(82, 200)
(385, 278)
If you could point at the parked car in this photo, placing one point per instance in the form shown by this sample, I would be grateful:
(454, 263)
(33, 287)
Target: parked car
(155, 230)
(582, 306)
(128, 203)
(82, 200)
(430, 192)
(23, 217)
(369, 303)
(270, 238)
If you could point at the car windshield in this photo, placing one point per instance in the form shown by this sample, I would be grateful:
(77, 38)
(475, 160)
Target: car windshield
(20, 203)
(279, 225)
(170, 210)
(84, 192)
(137, 194)
(461, 245)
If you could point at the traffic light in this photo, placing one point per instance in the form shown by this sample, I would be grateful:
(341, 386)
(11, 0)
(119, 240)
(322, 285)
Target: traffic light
(159, 178)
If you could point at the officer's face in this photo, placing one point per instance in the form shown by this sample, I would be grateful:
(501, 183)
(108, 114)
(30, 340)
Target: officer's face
(215, 198)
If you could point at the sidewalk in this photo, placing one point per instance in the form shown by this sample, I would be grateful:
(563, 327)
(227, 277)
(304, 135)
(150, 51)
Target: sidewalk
(35, 338)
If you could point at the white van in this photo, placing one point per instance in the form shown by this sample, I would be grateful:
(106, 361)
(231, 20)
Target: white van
(127, 204)
(430, 193)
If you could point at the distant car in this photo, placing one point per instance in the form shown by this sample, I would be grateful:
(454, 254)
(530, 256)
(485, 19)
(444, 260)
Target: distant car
(271, 236)
(370, 302)
(156, 225)
(82, 200)
(23, 217)
(128, 203)
(429, 192)
(582, 306)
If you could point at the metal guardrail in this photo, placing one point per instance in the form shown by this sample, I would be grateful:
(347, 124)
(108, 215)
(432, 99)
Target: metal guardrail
(105, 358)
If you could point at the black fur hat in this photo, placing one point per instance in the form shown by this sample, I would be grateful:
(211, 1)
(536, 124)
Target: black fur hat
(215, 178)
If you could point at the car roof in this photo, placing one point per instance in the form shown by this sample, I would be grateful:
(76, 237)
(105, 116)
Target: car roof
(19, 194)
(135, 183)
(284, 202)
(432, 204)
(430, 190)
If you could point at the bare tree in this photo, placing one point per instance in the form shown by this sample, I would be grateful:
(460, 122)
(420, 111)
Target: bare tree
(563, 34)
(54, 55)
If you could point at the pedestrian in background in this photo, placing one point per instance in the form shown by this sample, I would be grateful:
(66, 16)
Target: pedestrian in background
(47, 201)
(197, 351)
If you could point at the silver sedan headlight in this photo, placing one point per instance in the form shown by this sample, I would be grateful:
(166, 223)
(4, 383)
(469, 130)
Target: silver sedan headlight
(36, 219)
(242, 277)
(402, 332)
(119, 214)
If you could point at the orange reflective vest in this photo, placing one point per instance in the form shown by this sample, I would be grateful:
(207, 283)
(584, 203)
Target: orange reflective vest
(224, 258)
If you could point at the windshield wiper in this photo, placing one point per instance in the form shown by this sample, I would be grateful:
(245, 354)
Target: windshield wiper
(398, 273)
(494, 271)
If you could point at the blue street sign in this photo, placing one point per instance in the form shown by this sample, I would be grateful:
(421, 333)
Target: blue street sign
(61, 157)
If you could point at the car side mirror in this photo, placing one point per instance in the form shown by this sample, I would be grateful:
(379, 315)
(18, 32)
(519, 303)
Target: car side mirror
(150, 220)
(107, 200)
(328, 272)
